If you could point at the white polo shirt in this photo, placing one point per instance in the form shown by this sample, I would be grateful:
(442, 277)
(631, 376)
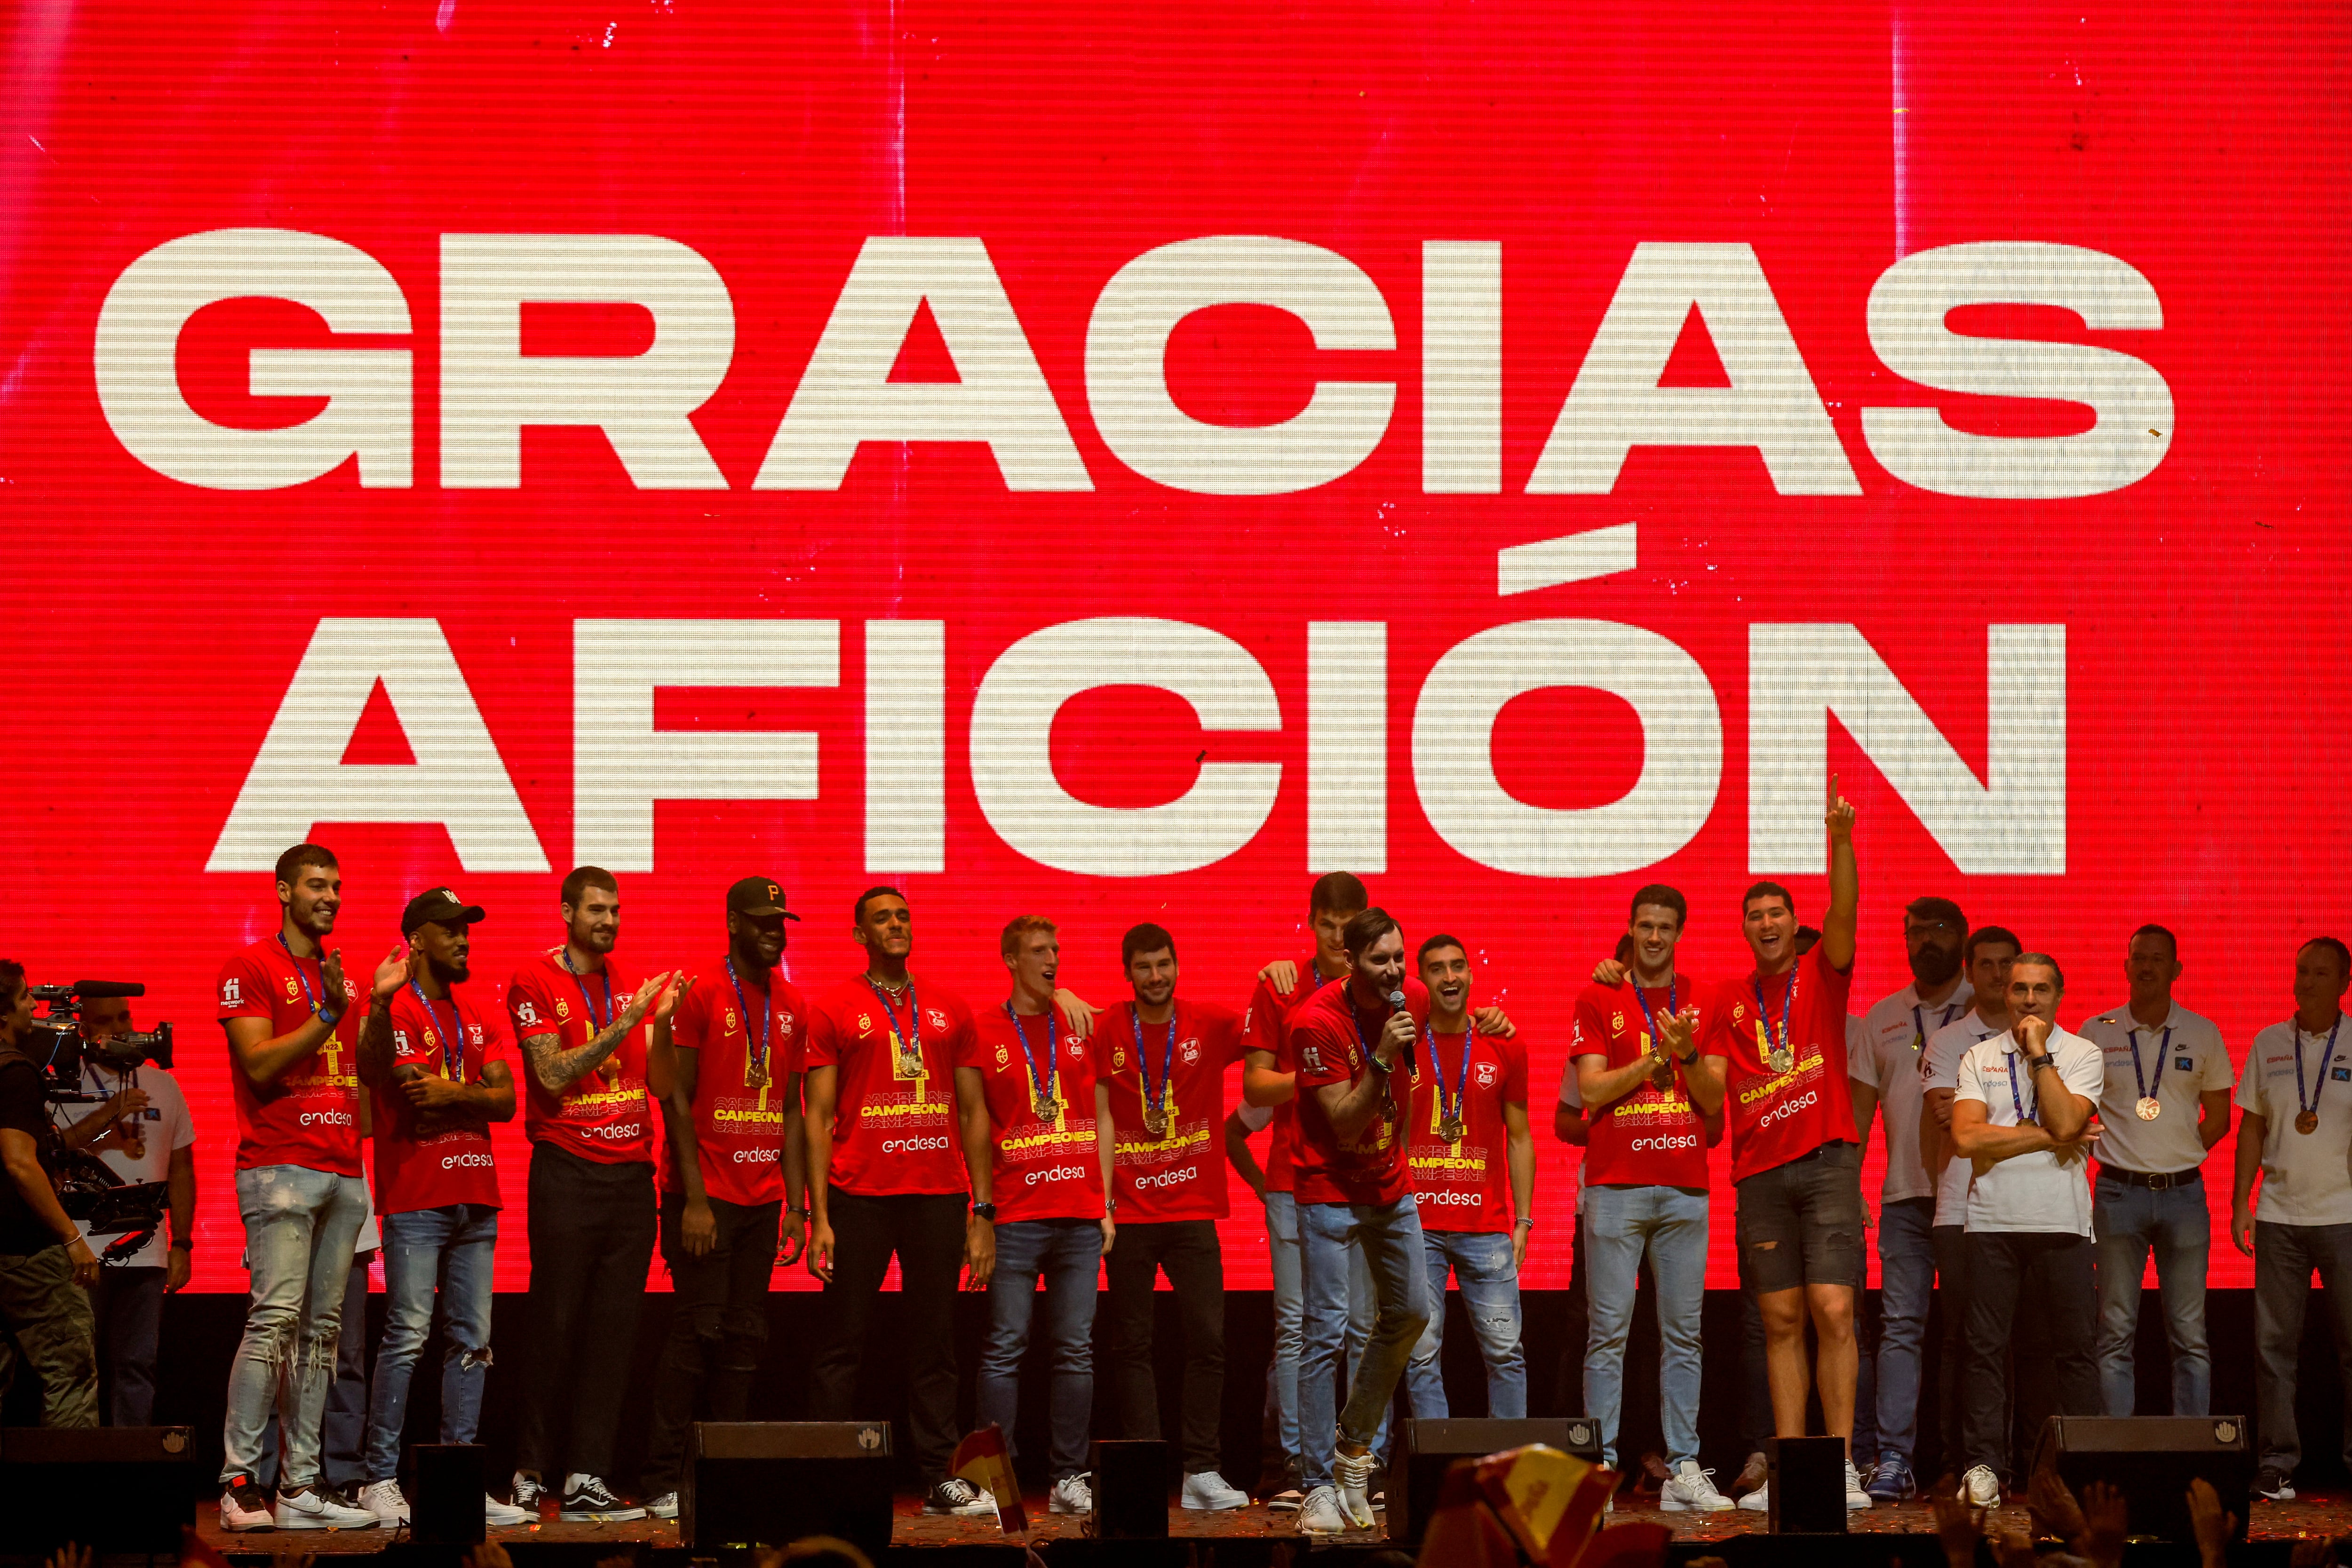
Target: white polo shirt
(2304, 1177)
(1941, 1066)
(1892, 1058)
(2178, 1059)
(168, 1127)
(2049, 1189)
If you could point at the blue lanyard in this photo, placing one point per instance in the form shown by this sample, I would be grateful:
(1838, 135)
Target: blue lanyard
(305, 979)
(767, 1013)
(2023, 1116)
(1166, 1057)
(1456, 1111)
(1788, 1004)
(563, 957)
(2323, 1061)
(1650, 1019)
(912, 1040)
(1919, 1022)
(453, 1063)
(1044, 1088)
(2146, 1091)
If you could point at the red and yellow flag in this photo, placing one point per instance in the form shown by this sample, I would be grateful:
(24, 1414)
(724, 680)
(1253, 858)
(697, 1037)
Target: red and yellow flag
(1535, 1504)
(982, 1460)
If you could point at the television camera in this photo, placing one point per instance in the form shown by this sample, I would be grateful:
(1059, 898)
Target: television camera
(88, 1190)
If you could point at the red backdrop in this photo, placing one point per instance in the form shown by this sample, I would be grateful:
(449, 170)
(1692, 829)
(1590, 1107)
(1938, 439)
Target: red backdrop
(2169, 750)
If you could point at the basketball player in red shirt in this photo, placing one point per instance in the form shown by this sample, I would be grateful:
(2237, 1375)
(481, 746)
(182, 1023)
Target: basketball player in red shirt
(1796, 1158)
(584, 1034)
(732, 1174)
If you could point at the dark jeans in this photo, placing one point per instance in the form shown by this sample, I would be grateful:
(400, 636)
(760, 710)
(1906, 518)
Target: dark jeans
(128, 1303)
(2284, 1256)
(592, 1240)
(1064, 1256)
(2054, 1272)
(925, 1231)
(1575, 1328)
(1187, 1250)
(718, 1326)
(343, 1431)
(45, 1328)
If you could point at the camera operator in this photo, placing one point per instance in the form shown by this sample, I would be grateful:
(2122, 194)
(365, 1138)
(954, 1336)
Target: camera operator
(44, 1320)
(143, 1132)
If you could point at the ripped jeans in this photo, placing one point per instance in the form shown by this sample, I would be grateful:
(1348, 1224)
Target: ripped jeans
(300, 1226)
(448, 1250)
(1481, 1264)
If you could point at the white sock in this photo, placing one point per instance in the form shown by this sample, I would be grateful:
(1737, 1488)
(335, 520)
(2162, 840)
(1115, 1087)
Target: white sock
(575, 1481)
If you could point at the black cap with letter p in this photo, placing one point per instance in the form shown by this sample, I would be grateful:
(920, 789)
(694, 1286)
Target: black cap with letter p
(437, 906)
(760, 897)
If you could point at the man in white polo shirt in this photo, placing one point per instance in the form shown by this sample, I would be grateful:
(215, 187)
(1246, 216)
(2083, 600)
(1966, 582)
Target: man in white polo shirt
(2166, 1102)
(1889, 1072)
(2296, 1097)
(2021, 1119)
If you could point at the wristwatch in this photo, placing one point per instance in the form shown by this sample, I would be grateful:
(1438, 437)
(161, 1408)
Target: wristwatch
(329, 1018)
(2035, 1064)
(984, 1211)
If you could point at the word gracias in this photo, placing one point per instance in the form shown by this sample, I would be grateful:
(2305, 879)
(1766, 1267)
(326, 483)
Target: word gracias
(491, 390)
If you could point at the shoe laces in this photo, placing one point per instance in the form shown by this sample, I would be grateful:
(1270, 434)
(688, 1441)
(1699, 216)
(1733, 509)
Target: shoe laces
(593, 1490)
(1352, 1469)
(956, 1489)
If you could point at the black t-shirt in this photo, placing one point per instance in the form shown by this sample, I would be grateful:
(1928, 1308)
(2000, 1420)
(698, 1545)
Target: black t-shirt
(22, 1110)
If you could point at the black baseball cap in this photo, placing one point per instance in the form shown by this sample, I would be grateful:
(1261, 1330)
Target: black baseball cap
(437, 906)
(761, 896)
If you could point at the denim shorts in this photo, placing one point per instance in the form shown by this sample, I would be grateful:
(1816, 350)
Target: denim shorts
(1801, 1223)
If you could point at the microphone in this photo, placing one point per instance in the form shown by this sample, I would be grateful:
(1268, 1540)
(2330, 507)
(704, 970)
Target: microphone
(1396, 1005)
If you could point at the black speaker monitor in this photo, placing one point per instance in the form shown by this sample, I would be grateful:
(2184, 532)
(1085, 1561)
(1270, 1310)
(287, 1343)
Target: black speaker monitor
(1130, 1486)
(446, 1510)
(112, 1489)
(1805, 1482)
(1426, 1448)
(2151, 1459)
(768, 1483)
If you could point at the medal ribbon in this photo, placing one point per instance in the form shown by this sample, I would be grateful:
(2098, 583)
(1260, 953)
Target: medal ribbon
(1167, 1058)
(912, 1039)
(767, 1015)
(305, 979)
(453, 1062)
(2312, 1109)
(2023, 1116)
(1458, 1111)
(1044, 1090)
(1919, 1022)
(2147, 1090)
(1764, 1011)
(563, 956)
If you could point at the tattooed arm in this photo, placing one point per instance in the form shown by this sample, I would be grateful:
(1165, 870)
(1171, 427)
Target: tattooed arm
(557, 1069)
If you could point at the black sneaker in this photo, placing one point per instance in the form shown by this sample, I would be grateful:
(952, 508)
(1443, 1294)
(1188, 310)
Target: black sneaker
(961, 1499)
(244, 1507)
(591, 1501)
(2273, 1485)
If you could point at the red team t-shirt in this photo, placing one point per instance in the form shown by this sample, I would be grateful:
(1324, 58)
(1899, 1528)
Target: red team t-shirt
(1371, 1167)
(433, 1170)
(894, 1124)
(1778, 1116)
(1181, 1173)
(1464, 1186)
(1265, 1027)
(1040, 1170)
(311, 1115)
(1653, 1137)
(606, 1115)
(739, 1124)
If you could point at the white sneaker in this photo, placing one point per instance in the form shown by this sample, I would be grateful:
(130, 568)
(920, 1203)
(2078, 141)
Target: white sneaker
(315, 1508)
(1981, 1487)
(1320, 1515)
(958, 1498)
(1760, 1501)
(382, 1500)
(663, 1507)
(503, 1515)
(1690, 1487)
(244, 1507)
(1353, 1472)
(1071, 1495)
(1206, 1492)
(1854, 1496)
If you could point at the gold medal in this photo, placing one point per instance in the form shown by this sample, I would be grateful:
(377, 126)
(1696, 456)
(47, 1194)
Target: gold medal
(1155, 1121)
(1780, 1058)
(756, 1075)
(2146, 1109)
(1043, 1104)
(2308, 1123)
(1449, 1130)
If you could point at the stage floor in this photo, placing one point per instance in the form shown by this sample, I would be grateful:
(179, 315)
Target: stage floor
(2327, 1515)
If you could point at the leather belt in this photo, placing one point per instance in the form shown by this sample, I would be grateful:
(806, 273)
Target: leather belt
(2155, 1180)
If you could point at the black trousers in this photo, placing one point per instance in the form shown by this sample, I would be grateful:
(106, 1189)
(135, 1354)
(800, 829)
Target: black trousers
(718, 1325)
(2051, 1272)
(925, 1231)
(1951, 1244)
(1187, 1250)
(592, 1239)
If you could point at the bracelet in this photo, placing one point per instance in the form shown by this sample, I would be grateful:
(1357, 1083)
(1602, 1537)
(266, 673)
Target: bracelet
(797, 1214)
(1527, 1222)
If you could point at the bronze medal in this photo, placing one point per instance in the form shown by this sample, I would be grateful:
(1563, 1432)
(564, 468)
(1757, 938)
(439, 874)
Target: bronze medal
(1451, 1130)
(756, 1075)
(2308, 1123)
(2146, 1109)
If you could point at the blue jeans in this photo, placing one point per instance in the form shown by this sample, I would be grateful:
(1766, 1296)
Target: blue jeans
(2130, 1222)
(2284, 1256)
(300, 1226)
(1481, 1260)
(1389, 1237)
(1068, 1255)
(1282, 1373)
(1620, 1224)
(449, 1251)
(1906, 1285)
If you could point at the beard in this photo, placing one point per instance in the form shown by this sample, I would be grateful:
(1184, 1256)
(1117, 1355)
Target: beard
(1931, 966)
(450, 974)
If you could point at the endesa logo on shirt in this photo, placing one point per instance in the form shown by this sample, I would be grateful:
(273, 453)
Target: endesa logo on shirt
(1498, 527)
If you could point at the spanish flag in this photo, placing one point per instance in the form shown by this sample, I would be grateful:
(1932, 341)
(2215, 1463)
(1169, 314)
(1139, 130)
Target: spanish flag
(1532, 1505)
(981, 1459)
